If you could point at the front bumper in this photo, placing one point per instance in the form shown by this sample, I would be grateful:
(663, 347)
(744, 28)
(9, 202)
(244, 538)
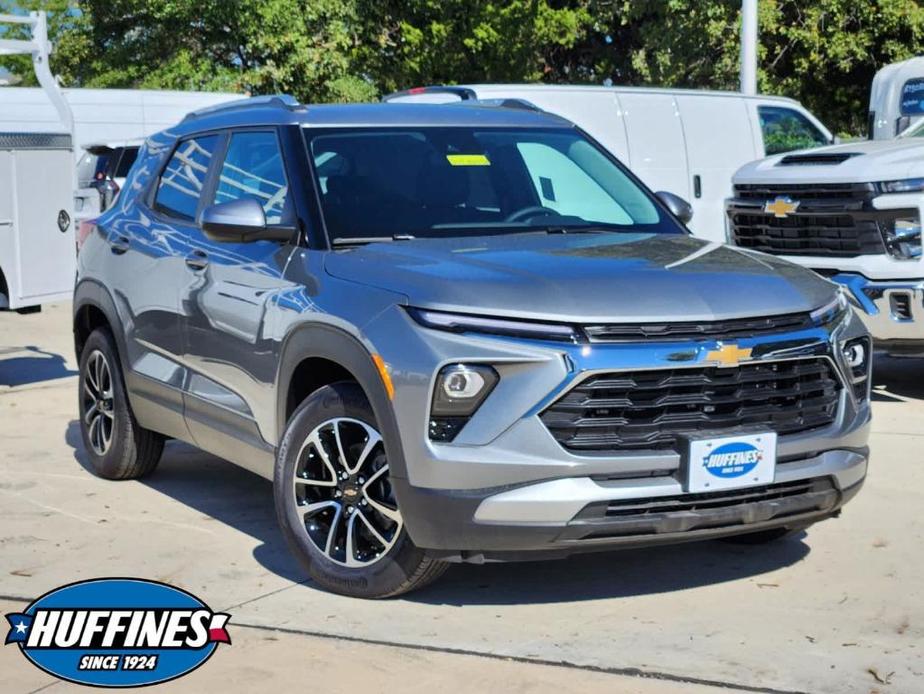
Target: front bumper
(565, 516)
(892, 310)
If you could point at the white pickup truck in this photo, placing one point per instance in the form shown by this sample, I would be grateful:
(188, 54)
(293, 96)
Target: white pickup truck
(851, 212)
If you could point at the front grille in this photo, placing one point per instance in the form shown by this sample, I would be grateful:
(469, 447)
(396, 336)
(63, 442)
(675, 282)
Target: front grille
(691, 513)
(650, 410)
(733, 329)
(834, 220)
(710, 500)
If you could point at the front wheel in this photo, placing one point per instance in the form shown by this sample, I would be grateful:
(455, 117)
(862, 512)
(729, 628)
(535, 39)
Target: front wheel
(335, 502)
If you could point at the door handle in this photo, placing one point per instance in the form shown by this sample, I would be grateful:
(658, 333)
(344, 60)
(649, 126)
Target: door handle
(197, 260)
(697, 186)
(119, 244)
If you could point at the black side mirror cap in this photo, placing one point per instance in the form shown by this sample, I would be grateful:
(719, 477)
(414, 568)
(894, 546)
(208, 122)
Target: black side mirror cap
(241, 221)
(678, 207)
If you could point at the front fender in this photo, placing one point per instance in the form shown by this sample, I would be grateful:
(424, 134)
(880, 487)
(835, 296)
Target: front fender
(338, 346)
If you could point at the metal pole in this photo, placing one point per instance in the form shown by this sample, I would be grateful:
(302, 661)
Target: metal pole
(748, 46)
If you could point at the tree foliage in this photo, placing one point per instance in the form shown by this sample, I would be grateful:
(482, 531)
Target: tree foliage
(822, 52)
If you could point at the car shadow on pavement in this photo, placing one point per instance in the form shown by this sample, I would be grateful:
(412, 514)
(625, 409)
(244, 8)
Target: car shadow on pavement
(244, 501)
(29, 365)
(220, 490)
(897, 377)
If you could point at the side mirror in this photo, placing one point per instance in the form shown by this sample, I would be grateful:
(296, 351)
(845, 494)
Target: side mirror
(679, 207)
(240, 221)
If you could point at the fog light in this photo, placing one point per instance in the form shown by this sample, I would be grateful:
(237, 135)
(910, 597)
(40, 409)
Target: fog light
(857, 357)
(903, 238)
(460, 390)
(855, 354)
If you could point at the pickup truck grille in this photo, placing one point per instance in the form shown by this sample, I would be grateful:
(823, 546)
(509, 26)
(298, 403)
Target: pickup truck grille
(831, 220)
(649, 410)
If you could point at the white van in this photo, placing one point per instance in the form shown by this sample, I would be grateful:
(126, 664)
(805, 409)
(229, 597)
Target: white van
(686, 142)
(896, 99)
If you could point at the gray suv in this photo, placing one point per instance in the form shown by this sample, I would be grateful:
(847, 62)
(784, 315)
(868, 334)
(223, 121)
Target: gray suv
(457, 334)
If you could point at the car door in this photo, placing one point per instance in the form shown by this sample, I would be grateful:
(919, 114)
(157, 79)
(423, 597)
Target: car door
(145, 269)
(719, 140)
(229, 347)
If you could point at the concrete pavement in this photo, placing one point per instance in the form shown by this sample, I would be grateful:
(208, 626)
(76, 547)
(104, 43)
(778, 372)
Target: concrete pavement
(839, 609)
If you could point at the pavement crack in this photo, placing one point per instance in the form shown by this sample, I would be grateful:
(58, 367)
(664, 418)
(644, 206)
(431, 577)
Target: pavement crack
(265, 595)
(622, 671)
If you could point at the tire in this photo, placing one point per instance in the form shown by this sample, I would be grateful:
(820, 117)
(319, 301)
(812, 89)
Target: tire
(309, 473)
(763, 537)
(129, 451)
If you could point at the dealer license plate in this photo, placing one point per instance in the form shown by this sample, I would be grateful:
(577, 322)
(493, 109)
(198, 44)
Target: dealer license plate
(731, 462)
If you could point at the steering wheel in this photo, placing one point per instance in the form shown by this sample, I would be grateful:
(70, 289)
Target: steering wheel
(530, 211)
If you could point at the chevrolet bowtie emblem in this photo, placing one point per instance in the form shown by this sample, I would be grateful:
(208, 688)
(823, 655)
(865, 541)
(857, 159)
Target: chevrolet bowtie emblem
(782, 207)
(728, 355)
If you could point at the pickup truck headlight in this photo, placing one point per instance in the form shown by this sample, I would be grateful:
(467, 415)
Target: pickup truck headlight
(904, 185)
(903, 238)
(460, 390)
(512, 327)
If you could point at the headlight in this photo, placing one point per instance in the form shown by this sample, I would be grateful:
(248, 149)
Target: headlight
(903, 238)
(904, 185)
(463, 323)
(831, 312)
(857, 356)
(460, 389)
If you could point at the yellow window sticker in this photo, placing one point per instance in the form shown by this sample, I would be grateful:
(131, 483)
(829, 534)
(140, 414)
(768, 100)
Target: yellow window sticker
(468, 160)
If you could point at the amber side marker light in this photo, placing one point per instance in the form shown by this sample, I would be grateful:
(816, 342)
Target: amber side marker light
(385, 376)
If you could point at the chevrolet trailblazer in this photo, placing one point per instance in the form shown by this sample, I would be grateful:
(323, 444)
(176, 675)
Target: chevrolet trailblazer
(457, 333)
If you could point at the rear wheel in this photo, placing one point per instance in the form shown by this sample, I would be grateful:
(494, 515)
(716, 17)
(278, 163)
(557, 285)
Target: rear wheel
(117, 446)
(335, 502)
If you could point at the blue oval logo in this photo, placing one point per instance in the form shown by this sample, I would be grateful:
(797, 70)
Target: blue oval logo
(118, 632)
(732, 460)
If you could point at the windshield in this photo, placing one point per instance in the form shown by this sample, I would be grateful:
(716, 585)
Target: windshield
(444, 182)
(916, 130)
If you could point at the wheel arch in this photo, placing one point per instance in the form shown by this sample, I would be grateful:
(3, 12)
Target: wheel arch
(318, 355)
(94, 308)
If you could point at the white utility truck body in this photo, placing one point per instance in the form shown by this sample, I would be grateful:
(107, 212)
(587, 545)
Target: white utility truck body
(686, 142)
(896, 99)
(103, 115)
(37, 251)
(853, 213)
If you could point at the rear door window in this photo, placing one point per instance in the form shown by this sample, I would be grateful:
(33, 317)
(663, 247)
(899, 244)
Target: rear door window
(181, 183)
(785, 129)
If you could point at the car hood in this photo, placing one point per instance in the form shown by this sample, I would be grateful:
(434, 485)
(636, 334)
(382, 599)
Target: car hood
(868, 160)
(584, 277)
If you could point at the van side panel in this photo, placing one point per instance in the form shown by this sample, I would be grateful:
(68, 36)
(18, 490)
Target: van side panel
(595, 111)
(719, 139)
(657, 152)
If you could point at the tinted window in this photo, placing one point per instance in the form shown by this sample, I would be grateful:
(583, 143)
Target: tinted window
(181, 182)
(129, 154)
(444, 182)
(913, 97)
(785, 129)
(253, 168)
(91, 167)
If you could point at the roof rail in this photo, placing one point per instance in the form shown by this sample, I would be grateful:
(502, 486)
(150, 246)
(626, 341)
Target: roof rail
(504, 102)
(286, 101)
(464, 93)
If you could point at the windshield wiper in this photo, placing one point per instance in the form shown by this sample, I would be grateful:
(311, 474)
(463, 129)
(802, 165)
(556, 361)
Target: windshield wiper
(359, 240)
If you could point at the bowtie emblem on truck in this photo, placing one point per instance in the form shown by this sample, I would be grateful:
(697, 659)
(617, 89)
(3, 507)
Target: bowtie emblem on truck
(728, 354)
(782, 207)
